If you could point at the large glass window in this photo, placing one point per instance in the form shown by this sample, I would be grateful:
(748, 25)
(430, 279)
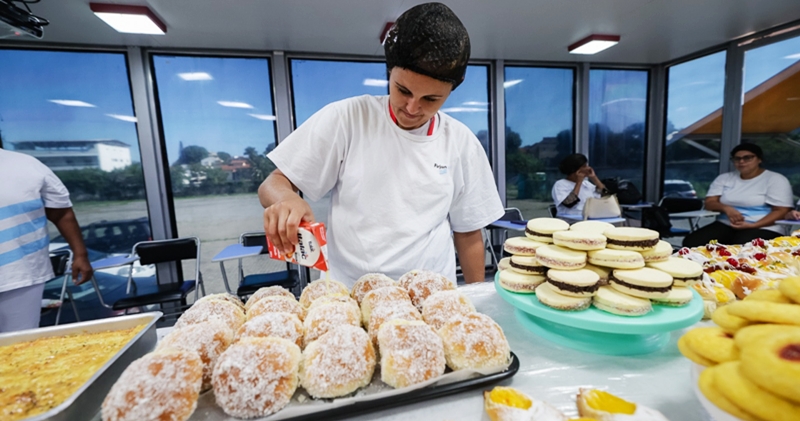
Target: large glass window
(695, 94)
(469, 103)
(73, 111)
(617, 123)
(218, 121)
(771, 108)
(539, 122)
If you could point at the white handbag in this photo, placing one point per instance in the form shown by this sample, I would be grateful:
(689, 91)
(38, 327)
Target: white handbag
(604, 207)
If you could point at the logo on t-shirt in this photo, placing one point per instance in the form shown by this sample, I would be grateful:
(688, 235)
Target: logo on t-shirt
(442, 168)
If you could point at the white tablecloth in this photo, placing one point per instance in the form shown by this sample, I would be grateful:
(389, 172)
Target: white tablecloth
(660, 380)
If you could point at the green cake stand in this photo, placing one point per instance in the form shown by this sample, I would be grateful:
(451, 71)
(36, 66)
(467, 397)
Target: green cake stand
(599, 332)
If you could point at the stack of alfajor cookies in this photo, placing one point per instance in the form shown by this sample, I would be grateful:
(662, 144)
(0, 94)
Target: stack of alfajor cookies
(618, 270)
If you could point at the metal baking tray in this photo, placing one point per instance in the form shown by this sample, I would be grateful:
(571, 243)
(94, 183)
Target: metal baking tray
(207, 410)
(86, 401)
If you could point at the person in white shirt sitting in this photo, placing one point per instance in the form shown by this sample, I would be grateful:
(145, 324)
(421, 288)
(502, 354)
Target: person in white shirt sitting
(570, 194)
(749, 200)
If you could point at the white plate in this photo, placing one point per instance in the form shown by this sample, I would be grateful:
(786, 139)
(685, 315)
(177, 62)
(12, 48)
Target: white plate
(716, 413)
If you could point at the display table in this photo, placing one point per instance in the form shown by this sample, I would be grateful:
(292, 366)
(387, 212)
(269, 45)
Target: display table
(660, 380)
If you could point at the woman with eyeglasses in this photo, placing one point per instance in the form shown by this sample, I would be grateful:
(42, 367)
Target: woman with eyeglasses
(749, 200)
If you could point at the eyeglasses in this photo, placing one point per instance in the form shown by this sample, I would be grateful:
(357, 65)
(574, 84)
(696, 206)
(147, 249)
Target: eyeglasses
(746, 158)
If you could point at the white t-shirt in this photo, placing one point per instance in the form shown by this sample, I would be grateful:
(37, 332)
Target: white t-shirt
(755, 197)
(396, 197)
(28, 186)
(562, 188)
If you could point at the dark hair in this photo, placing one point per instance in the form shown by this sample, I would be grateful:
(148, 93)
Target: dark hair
(429, 39)
(572, 163)
(749, 147)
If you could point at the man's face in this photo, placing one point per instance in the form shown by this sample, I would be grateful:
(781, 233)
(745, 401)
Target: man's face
(415, 98)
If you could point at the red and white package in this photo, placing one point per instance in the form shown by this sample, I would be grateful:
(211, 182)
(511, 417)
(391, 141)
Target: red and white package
(311, 249)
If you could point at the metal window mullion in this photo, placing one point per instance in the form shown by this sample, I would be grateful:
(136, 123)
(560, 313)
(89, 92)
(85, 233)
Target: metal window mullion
(732, 107)
(283, 106)
(655, 133)
(498, 136)
(150, 148)
(582, 110)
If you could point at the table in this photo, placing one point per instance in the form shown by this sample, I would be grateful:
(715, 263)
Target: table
(693, 217)
(637, 206)
(509, 225)
(788, 222)
(234, 252)
(578, 218)
(660, 380)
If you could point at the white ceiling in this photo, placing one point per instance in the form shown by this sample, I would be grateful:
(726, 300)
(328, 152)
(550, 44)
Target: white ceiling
(652, 31)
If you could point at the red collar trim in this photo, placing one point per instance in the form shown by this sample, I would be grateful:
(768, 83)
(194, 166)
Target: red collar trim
(430, 127)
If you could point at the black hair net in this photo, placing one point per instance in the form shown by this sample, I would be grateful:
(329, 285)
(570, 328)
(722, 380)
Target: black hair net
(749, 147)
(429, 39)
(572, 163)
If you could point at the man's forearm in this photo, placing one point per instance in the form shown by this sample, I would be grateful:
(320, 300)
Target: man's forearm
(64, 219)
(469, 246)
(770, 218)
(274, 188)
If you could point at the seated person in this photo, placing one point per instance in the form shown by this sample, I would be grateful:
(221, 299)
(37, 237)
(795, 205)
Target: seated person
(793, 214)
(570, 194)
(750, 200)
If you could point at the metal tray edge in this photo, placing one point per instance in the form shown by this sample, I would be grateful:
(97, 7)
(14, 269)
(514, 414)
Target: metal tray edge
(86, 401)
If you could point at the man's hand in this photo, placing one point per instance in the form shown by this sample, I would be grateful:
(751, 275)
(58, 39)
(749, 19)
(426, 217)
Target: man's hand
(282, 219)
(589, 173)
(81, 269)
(733, 215)
(793, 215)
(743, 225)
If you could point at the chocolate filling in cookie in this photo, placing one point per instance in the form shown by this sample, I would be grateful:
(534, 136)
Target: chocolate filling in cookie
(640, 243)
(526, 268)
(693, 278)
(538, 234)
(640, 287)
(573, 288)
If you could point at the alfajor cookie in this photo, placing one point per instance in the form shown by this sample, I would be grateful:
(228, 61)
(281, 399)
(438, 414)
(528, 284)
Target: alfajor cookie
(682, 270)
(629, 238)
(549, 297)
(576, 283)
(579, 240)
(677, 297)
(504, 263)
(661, 252)
(602, 273)
(528, 265)
(612, 301)
(542, 229)
(617, 259)
(519, 282)
(521, 246)
(642, 282)
(596, 227)
(557, 257)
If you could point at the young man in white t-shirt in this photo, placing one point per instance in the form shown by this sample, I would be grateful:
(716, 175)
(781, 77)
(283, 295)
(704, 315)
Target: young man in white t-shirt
(749, 200)
(31, 195)
(407, 180)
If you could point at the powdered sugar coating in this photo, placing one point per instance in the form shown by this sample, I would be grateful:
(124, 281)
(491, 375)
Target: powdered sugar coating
(256, 377)
(375, 297)
(321, 288)
(443, 305)
(411, 352)
(277, 304)
(162, 385)
(390, 310)
(331, 298)
(267, 292)
(282, 325)
(409, 277)
(324, 317)
(224, 311)
(223, 297)
(474, 340)
(369, 282)
(424, 286)
(338, 363)
(209, 340)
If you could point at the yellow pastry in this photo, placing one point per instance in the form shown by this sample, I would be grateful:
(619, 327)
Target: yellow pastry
(755, 334)
(509, 404)
(706, 385)
(603, 406)
(688, 353)
(763, 311)
(770, 295)
(790, 287)
(728, 322)
(712, 343)
(729, 380)
(774, 364)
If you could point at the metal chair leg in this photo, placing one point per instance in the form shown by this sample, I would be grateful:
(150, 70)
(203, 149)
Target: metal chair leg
(61, 298)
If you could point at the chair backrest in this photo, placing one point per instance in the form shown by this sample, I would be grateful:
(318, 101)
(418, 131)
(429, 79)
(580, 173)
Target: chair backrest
(161, 251)
(59, 260)
(512, 214)
(681, 204)
(253, 239)
(553, 210)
